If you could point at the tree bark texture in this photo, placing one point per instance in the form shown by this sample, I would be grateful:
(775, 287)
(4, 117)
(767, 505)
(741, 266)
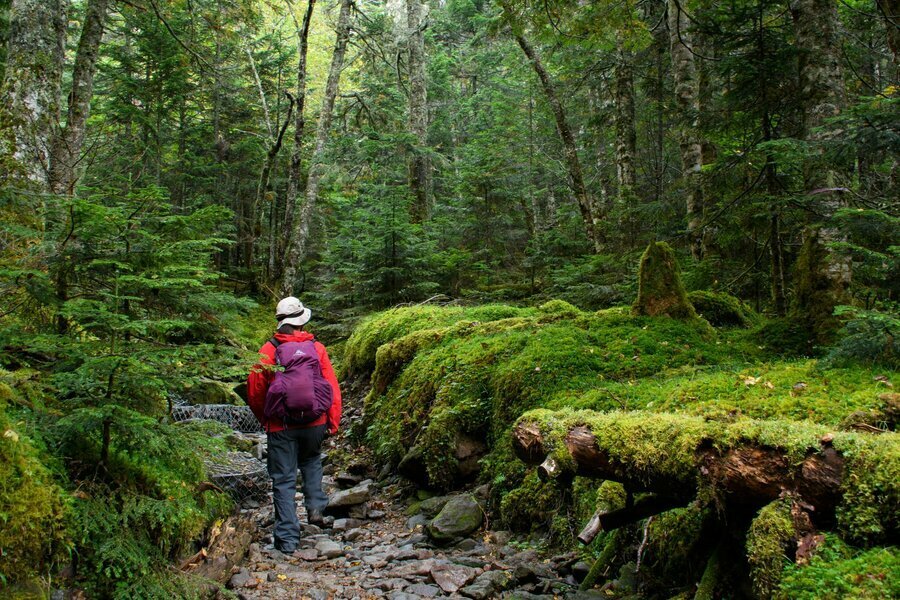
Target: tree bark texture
(228, 544)
(294, 173)
(300, 235)
(70, 140)
(31, 87)
(748, 476)
(822, 90)
(687, 99)
(890, 12)
(570, 150)
(626, 138)
(418, 111)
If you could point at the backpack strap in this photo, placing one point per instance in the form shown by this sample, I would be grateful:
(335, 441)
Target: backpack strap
(275, 343)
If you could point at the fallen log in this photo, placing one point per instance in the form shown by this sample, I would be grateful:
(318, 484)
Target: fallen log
(614, 519)
(689, 452)
(226, 547)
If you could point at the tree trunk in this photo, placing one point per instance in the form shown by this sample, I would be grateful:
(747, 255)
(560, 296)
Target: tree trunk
(687, 100)
(33, 78)
(890, 11)
(822, 91)
(626, 138)
(68, 143)
(570, 150)
(418, 111)
(294, 174)
(226, 547)
(300, 235)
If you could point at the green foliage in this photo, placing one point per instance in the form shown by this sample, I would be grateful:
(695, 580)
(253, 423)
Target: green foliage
(33, 508)
(868, 337)
(721, 309)
(839, 571)
(138, 506)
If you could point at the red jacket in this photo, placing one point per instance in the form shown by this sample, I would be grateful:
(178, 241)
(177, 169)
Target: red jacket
(261, 377)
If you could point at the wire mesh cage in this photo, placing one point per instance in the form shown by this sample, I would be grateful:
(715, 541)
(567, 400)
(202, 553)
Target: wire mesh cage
(241, 475)
(239, 418)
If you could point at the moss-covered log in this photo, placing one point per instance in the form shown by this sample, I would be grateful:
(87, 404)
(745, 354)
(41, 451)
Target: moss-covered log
(743, 465)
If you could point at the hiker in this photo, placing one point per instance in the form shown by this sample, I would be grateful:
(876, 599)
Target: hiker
(298, 402)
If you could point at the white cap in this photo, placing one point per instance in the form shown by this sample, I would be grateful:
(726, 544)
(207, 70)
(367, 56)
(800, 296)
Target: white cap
(290, 311)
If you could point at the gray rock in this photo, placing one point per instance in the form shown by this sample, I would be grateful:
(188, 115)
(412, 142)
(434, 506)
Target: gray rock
(467, 545)
(307, 554)
(344, 524)
(239, 579)
(353, 534)
(460, 516)
(329, 549)
(376, 514)
(360, 511)
(523, 595)
(424, 590)
(451, 578)
(316, 594)
(500, 537)
(416, 521)
(487, 585)
(432, 506)
(355, 496)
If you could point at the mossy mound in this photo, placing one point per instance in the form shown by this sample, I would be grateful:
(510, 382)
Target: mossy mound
(33, 508)
(383, 327)
(474, 379)
(660, 290)
(721, 309)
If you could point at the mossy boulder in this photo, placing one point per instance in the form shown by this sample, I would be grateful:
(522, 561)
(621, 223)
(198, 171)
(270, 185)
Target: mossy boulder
(460, 516)
(721, 309)
(660, 290)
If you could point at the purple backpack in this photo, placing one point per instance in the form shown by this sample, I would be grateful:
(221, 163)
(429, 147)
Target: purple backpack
(299, 393)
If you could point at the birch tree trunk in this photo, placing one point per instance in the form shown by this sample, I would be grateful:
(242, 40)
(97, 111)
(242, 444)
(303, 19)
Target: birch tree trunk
(32, 82)
(68, 144)
(418, 111)
(294, 174)
(687, 100)
(570, 150)
(626, 138)
(300, 235)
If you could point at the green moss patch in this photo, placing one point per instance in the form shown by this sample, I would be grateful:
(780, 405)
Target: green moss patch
(721, 309)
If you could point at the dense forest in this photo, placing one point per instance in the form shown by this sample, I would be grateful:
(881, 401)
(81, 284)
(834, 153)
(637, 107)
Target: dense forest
(626, 265)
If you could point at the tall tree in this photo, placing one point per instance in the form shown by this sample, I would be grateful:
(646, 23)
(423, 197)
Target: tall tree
(570, 149)
(822, 94)
(32, 82)
(687, 100)
(294, 172)
(418, 110)
(626, 138)
(299, 241)
(70, 139)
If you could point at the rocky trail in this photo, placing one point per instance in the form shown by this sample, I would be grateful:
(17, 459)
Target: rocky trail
(382, 540)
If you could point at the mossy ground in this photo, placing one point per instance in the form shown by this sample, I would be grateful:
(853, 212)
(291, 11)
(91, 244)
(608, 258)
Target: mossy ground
(439, 373)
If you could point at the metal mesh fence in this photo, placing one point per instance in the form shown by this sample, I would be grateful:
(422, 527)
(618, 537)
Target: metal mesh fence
(239, 418)
(241, 475)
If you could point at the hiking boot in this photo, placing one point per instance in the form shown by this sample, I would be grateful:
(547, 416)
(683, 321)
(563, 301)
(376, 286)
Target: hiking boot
(315, 517)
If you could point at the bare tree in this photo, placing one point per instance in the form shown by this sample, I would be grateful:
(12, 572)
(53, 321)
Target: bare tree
(299, 240)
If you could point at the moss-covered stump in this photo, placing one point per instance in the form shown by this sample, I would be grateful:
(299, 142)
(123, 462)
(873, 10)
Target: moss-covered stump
(738, 465)
(721, 309)
(660, 291)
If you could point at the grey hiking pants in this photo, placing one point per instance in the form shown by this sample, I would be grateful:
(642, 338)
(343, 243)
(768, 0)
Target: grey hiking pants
(288, 450)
